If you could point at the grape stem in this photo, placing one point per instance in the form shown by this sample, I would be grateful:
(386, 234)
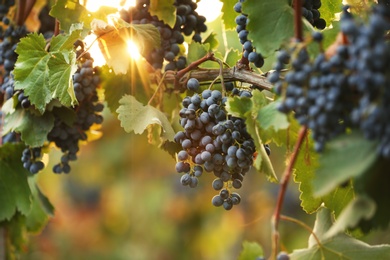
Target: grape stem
(300, 223)
(194, 65)
(298, 20)
(19, 19)
(28, 8)
(282, 191)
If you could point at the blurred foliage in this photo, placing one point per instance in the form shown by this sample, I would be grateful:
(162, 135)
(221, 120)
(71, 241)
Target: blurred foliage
(123, 200)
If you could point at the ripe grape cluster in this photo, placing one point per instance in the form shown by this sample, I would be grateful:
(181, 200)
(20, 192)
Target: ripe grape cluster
(213, 141)
(249, 51)
(188, 22)
(347, 90)
(87, 112)
(312, 14)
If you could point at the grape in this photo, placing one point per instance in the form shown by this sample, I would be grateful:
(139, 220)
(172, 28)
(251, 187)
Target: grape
(217, 201)
(282, 256)
(217, 184)
(312, 14)
(193, 84)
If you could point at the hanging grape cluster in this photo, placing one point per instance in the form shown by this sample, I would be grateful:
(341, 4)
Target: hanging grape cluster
(188, 22)
(213, 141)
(87, 113)
(348, 90)
(312, 14)
(248, 49)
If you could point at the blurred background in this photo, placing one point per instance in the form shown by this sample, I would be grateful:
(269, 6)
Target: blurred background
(123, 200)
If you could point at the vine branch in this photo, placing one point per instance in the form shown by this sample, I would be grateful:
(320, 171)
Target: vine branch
(283, 188)
(229, 74)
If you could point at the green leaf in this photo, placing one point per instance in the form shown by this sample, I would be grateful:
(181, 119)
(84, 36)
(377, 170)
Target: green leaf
(64, 42)
(15, 193)
(228, 14)
(270, 117)
(15, 240)
(270, 24)
(232, 57)
(337, 247)
(250, 251)
(41, 209)
(135, 117)
(347, 156)
(31, 71)
(196, 51)
(70, 12)
(33, 129)
(328, 10)
(164, 10)
(113, 41)
(212, 40)
(62, 66)
(361, 208)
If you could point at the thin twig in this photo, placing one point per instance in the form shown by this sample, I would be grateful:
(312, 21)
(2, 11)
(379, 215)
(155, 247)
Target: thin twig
(194, 65)
(283, 188)
(29, 6)
(57, 28)
(20, 12)
(158, 88)
(296, 221)
(298, 20)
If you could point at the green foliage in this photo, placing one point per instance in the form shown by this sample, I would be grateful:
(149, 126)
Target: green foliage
(135, 117)
(164, 10)
(250, 251)
(270, 24)
(228, 14)
(196, 51)
(45, 75)
(15, 193)
(345, 157)
(338, 246)
(33, 128)
(328, 10)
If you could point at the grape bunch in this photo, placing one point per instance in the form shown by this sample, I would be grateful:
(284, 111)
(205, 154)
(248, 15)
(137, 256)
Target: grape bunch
(4, 8)
(312, 14)
(188, 22)
(347, 90)
(65, 136)
(248, 49)
(31, 159)
(213, 141)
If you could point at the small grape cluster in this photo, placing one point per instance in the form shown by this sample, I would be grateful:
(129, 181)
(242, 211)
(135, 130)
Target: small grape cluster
(347, 90)
(85, 81)
(4, 8)
(31, 159)
(188, 22)
(312, 14)
(213, 141)
(249, 51)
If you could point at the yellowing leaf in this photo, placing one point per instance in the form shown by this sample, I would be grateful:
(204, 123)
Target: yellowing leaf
(135, 117)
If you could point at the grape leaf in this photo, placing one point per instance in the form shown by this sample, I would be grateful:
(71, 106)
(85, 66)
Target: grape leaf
(65, 42)
(328, 10)
(164, 10)
(304, 174)
(359, 208)
(40, 211)
(232, 57)
(113, 41)
(135, 117)
(196, 51)
(16, 238)
(270, 24)
(31, 71)
(33, 129)
(15, 193)
(347, 156)
(270, 117)
(340, 246)
(250, 251)
(212, 40)
(44, 75)
(228, 14)
(69, 12)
